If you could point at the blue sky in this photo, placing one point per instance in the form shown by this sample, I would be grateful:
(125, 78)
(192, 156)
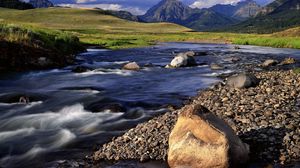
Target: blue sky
(140, 6)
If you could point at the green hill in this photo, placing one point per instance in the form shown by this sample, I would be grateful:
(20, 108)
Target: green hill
(92, 26)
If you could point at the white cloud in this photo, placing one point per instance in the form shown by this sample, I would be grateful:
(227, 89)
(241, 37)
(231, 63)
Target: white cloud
(116, 7)
(85, 1)
(210, 3)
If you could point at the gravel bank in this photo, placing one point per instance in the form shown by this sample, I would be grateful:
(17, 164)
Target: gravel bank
(267, 117)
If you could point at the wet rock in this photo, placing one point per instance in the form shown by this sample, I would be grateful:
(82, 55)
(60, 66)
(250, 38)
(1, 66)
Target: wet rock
(195, 53)
(269, 62)
(236, 47)
(288, 61)
(200, 139)
(242, 80)
(232, 59)
(81, 69)
(23, 98)
(182, 60)
(133, 66)
(214, 66)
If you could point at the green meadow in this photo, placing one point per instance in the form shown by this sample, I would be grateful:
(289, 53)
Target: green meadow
(95, 28)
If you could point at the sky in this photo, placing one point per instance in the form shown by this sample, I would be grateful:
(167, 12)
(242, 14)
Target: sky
(139, 7)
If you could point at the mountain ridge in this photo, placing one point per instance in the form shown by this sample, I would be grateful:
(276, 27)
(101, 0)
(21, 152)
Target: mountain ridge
(241, 11)
(175, 11)
(283, 14)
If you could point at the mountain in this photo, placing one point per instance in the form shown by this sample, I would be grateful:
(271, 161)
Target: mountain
(175, 11)
(206, 19)
(241, 11)
(41, 3)
(168, 11)
(15, 4)
(272, 6)
(284, 14)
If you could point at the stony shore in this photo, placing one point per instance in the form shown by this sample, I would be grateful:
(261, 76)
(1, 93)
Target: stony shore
(267, 117)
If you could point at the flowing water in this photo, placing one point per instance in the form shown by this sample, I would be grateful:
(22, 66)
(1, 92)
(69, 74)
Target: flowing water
(66, 115)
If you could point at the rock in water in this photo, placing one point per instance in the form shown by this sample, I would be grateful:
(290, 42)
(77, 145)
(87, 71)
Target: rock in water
(288, 61)
(269, 62)
(214, 66)
(133, 66)
(81, 69)
(200, 139)
(183, 60)
(242, 80)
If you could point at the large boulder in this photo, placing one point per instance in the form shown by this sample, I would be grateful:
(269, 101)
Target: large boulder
(133, 66)
(200, 139)
(242, 80)
(183, 60)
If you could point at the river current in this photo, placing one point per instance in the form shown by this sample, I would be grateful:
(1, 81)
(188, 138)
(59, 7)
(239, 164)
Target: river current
(66, 115)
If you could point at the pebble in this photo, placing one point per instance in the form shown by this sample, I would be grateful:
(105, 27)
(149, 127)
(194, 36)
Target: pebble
(262, 116)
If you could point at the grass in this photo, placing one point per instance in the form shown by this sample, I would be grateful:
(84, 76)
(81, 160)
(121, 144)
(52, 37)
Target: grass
(61, 42)
(95, 28)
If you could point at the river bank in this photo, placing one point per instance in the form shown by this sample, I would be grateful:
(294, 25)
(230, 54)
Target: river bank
(25, 48)
(266, 117)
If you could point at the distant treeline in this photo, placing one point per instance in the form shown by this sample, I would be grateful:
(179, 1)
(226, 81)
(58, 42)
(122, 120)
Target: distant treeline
(15, 4)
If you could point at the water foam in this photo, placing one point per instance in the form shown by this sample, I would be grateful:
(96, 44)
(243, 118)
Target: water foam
(102, 71)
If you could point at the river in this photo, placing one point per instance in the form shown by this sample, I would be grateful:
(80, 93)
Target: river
(64, 119)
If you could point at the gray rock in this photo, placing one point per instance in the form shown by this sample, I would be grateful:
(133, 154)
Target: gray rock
(242, 80)
(214, 66)
(132, 66)
(269, 62)
(183, 60)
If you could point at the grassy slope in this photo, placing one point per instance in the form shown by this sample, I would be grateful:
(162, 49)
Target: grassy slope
(22, 48)
(94, 28)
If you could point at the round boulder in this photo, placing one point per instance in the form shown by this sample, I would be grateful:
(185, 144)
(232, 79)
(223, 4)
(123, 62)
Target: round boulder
(132, 66)
(183, 60)
(201, 139)
(242, 80)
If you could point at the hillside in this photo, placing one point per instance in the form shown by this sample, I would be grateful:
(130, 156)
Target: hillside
(175, 11)
(92, 26)
(25, 48)
(285, 15)
(15, 4)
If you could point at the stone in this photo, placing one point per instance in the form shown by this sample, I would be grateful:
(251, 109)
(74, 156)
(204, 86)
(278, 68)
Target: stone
(242, 80)
(269, 62)
(132, 66)
(183, 60)
(288, 61)
(232, 59)
(200, 139)
(81, 69)
(214, 66)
